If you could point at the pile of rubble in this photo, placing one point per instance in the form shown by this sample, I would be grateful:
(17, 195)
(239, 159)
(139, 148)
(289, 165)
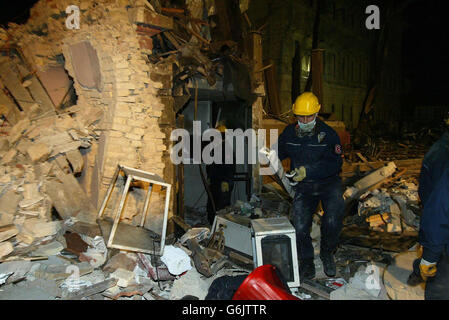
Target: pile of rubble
(38, 161)
(385, 201)
(50, 244)
(75, 267)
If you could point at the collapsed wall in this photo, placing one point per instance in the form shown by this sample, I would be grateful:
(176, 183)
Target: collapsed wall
(112, 76)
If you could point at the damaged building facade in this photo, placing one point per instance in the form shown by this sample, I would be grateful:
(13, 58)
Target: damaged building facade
(91, 93)
(102, 67)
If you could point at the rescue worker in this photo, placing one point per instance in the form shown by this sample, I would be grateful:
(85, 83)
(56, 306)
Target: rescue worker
(220, 178)
(434, 226)
(315, 153)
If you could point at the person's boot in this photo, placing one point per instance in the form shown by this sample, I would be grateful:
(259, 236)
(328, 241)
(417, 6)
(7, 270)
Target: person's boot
(306, 269)
(330, 269)
(415, 277)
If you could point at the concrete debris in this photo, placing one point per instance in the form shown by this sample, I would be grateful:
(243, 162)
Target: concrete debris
(72, 284)
(195, 233)
(396, 276)
(192, 283)
(16, 269)
(124, 277)
(8, 234)
(159, 273)
(386, 204)
(366, 284)
(127, 261)
(376, 177)
(49, 249)
(5, 249)
(4, 277)
(96, 254)
(30, 290)
(61, 271)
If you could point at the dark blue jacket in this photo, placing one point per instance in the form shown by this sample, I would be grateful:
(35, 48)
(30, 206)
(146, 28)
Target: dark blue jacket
(434, 193)
(434, 163)
(320, 153)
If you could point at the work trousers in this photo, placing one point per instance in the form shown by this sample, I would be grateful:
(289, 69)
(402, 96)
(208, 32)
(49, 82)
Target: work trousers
(305, 203)
(437, 288)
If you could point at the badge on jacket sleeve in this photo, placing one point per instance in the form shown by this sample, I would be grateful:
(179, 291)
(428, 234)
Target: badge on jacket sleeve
(338, 149)
(321, 136)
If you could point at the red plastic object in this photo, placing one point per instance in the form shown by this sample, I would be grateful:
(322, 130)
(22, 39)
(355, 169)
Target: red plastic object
(263, 284)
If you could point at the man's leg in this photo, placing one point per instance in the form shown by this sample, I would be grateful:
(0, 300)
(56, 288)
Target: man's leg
(437, 288)
(331, 224)
(303, 209)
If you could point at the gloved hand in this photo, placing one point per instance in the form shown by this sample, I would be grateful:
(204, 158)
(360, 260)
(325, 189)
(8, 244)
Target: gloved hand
(428, 269)
(300, 174)
(272, 155)
(224, 187)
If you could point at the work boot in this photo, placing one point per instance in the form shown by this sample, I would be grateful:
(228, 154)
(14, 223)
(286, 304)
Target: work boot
(330, 269)
(306, 269)
(415, 277)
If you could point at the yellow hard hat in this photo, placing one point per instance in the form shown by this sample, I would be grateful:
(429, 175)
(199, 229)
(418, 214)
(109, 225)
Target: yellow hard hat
(306, 104)
(221, 128)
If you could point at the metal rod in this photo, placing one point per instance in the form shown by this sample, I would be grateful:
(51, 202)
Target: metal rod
(109, 192)
(119, 211)
(164, 226)
(147, 203)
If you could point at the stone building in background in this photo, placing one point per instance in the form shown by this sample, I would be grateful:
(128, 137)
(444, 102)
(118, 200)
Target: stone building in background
(348, 49)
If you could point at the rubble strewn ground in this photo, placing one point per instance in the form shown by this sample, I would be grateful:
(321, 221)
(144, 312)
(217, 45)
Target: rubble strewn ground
(51, 246)
(46, 255)
(44, 258)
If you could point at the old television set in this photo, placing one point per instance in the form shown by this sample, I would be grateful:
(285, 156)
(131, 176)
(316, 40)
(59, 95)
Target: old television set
(274, 242)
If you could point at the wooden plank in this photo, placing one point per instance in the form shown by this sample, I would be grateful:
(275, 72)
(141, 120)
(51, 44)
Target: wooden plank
(258, 70)
(40, 96)
(86, 64)
(131, 238)
(362, 158)
(91, 290)
(144, 16)
(202, 264)
(410, 164)
(242, 259)
(11, 80)
(317, 289)
(272, 88)
(180, 222)
(317, 73)
(88, 229)
(8, 108)
(69, 198)
(173, 40)
(34, 86)
(76, 160)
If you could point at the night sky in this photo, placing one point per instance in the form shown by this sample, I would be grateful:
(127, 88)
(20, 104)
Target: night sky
(426, 49)
(15, 11)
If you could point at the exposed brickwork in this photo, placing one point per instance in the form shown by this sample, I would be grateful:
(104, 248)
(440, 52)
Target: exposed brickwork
(129, 93)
